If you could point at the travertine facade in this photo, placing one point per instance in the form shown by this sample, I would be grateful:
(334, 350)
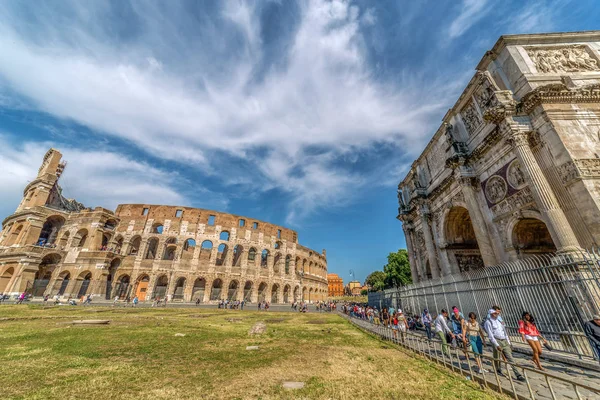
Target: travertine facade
(52, 245)
(514, 168)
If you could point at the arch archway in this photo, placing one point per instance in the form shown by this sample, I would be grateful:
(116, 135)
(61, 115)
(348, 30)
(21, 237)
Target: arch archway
(189, 246)
(44, 273)
(237, 255)
(287, 264)
(123, 287)
(275, 293)
(461, 241)
(5, 278)
(83, 283)
(262, 292)
(141, 287)
(221, 254)
(248, 291)
(179, 289)
(112, 269)
(80, 239)
(62, 281)
(277, 262)
(198, 289)
(160, 289)
(531, 236)
(286, 294)
(215, 292)
(232, 290)
(134, 246)
(296, 293)
(152, 248)
(50, 230)
(304, 294)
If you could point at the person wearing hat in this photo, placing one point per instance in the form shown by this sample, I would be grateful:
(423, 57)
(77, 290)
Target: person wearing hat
(592, 331)
(501, 343)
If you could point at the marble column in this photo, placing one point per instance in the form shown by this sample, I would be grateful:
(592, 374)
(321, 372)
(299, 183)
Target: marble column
(562, 234)
(429, 244)
(468, 187)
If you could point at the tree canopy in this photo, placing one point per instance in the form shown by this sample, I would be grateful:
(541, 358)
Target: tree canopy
(395, 273)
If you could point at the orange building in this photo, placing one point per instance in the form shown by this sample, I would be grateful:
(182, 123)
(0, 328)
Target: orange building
(335, 285)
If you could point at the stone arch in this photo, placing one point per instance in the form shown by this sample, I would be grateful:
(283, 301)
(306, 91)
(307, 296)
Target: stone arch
(160, 288)
(531, 236)
(64, 240)
(232, 290)
(80, 238)
(141, 286)
(297, 265)
(288, 258)
(206, 251)
(105, 241)
(221, 254)
(262, 292)
(460, 240)
(286, 294)
(215, 292)
(224, 235)
(123, 286)
(82, 283)
(5, 278)
(13, 238)
(157, 228)
(189, 246)
(277, 262)
(304, 294)
(152, 248)
(296, 293)
(134, 245)
(50, 229)
(44, 273)
(179, 290)
(248, 291)
(252, 256)
(169, 252)
(275, 293)
(238, 250)
(112, 269)
(118, 243)
(199, 289)
(277, 245)
(311, 292)
(61, 283)
(264, 258)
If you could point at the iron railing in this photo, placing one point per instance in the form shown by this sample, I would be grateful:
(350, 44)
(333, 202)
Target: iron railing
(535, 385)
(561, 291)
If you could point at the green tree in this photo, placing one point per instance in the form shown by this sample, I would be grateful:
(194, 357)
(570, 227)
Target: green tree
(364, 292)
(376, 280)
(397, 270)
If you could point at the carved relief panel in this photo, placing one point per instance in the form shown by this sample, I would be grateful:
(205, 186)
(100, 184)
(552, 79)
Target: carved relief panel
(582, 168)
(575, 58)
(506, 190)
(471, 118)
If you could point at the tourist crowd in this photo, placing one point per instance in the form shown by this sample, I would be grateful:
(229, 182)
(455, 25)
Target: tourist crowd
(468, 334)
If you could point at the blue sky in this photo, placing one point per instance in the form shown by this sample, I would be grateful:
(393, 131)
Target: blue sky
(305, 114)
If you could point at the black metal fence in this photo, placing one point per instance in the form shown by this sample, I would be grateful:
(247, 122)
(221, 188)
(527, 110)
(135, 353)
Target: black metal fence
(562, 291)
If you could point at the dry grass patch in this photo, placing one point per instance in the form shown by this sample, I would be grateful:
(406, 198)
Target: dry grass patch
(138, 356)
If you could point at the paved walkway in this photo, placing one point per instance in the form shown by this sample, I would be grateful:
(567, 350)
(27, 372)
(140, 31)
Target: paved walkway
(560, 376)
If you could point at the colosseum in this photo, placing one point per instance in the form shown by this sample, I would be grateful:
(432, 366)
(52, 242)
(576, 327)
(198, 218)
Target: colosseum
(52, 246)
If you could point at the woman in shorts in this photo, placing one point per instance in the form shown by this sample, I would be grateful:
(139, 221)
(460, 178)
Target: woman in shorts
(530, 334)
(402, 324)
(473, 336)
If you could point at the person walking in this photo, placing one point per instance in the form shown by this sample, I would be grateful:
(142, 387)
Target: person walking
(592, 331)
(402, 324)
(456, 320)
(385, 317)
(441, 327)
(473, 335)
(136, 300)
(530, 334)
(427, 320)
(502, 346)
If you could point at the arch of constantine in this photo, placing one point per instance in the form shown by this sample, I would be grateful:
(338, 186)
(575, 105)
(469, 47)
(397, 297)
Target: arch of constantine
(55, 246)
(514, 168)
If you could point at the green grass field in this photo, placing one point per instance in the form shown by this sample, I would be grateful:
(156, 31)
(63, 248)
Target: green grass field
(138, 356)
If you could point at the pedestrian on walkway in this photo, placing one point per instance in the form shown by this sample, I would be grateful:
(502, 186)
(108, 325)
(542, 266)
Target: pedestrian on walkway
(427, 323)
(402, 324)
(530, 334)
(135, 301)
(385, 317)
(473, 335)
(441, 327)
(592, 331)
(456, 320)
(502, 346)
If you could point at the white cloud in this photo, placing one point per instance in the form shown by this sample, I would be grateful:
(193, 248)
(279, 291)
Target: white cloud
(324, 96)
(95, 177)
(471, 12)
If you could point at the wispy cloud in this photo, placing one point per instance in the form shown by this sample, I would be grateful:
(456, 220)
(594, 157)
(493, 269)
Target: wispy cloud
(471, 12)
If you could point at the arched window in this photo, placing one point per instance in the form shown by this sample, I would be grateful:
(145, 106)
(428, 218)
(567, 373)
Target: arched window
(224, 236)
(237, 255)
(157, 228)
(287, 264)
(152, 247)
(190, 243)
(50, 230)
(277, 245)
(189, 246)
(264, 258)
(80, 238)
(252, 254)
(207, 245)
(135, 245)
(221, 254)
